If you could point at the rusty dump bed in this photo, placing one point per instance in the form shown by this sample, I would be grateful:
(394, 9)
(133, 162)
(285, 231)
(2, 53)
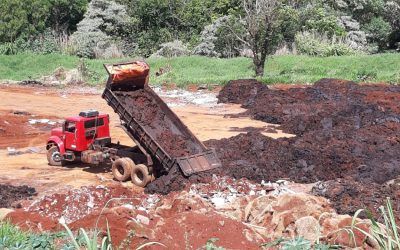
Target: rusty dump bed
(151, 123)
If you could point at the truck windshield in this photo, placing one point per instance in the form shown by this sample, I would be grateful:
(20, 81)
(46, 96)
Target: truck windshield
(94, 123)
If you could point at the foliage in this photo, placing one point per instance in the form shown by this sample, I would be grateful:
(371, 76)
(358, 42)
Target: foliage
(19, 17)
(289, 23)
(386, 235)
(203, 70)
(24, 19)
(65, 14)
(210, 245)
(11, 237)
(219, 39)
(319, 19)
(261, 22)
(104, 22)
(298, 243)
(172, 49)
(315, 44)
(378, 31)
(160, 21)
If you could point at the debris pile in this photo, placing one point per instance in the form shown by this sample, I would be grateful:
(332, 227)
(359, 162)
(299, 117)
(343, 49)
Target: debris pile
(250, 215)
(77, 203)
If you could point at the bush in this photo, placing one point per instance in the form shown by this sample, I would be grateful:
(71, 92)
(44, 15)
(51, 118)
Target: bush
(104, 24)
(172, 49)
(315, 44)
(320, 20)
(217, 39)
(378, 31)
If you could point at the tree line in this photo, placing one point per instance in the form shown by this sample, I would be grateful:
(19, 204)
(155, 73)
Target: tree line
(217, 28)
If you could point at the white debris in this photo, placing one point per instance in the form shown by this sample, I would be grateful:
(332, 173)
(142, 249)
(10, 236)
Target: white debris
(142, 219)
(6, 122)
(184, 97)
(128, 206)
(252, 192)
(43, 121)
(218, 202)
(13, 151)
(34, 150)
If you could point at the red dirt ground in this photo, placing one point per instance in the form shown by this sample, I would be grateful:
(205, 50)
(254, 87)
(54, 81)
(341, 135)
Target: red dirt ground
(15, 124)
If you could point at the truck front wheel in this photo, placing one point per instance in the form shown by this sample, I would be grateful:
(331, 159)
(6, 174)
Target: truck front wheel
(122, 168)
(140, 175)
(54, 157)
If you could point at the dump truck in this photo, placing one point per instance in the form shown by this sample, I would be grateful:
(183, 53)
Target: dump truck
(162, 141)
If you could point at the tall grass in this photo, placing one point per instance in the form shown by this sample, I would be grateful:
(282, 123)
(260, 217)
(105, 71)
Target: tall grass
(202, 70)
(386, 234)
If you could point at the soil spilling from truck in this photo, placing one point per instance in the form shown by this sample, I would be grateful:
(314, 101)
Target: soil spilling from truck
(144, 108)
(345, 131)
(9, 195)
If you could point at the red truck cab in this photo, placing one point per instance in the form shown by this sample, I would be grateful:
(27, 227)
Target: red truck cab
(77, 134)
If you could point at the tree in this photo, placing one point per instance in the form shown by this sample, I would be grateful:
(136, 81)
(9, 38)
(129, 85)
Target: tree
(65, 14)
(22, 18)
(261, 23)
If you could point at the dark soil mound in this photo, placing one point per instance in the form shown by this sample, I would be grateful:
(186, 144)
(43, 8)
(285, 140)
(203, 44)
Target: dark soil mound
(240, 91)
(345, 130)
(9, 195)
(347, 195)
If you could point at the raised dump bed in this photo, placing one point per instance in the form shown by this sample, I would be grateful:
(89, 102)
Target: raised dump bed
(154, 127)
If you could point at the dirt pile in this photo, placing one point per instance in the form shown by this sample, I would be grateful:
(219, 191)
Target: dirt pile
(241, 214)
(77, 203)
(150, 114)
(9, 195)
(344, 130)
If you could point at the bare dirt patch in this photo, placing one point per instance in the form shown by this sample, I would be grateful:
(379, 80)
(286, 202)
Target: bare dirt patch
(19, 128)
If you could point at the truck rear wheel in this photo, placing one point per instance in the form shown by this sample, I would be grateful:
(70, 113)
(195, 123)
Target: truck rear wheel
(140, 175)
(54, 157)
(122, 168)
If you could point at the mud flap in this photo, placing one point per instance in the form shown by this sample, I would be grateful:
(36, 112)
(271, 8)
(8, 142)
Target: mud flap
(199, 162)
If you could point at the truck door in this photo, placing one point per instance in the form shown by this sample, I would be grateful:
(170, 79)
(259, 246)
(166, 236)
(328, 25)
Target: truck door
(70, 132)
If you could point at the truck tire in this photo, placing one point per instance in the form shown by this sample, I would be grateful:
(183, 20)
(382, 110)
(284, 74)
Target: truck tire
(140, 175)
(122, 168)
(54, 157)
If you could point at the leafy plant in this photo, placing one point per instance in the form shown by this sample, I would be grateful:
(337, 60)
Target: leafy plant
(210, 245)
(386, 235)
(298, 243)
(315, 44)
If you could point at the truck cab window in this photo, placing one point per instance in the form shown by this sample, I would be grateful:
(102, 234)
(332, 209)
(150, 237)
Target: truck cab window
(70, 127)
(94, 123)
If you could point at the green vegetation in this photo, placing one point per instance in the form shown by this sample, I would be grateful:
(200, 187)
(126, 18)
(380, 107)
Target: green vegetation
(11, 237)
(203, 70)
(385, 235)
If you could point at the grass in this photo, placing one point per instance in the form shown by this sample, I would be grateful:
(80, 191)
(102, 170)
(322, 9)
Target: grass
(202, 70)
